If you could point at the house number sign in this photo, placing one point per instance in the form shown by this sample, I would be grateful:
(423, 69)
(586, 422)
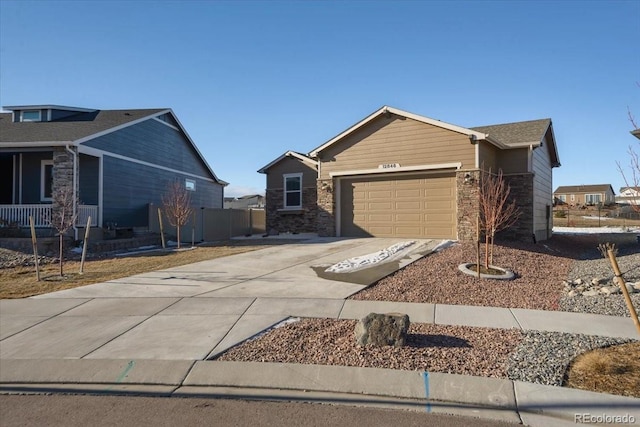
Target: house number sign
(389, 166)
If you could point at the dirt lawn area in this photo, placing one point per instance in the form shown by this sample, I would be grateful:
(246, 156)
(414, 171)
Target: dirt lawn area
(20, 281)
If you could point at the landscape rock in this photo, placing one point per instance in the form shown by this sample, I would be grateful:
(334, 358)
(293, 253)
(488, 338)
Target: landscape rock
(590, 293)
(608, 290)
(382, 329)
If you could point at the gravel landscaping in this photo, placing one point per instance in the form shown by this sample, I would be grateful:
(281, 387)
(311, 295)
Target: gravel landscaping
(540, 271)
(434, 348)
(533, 356)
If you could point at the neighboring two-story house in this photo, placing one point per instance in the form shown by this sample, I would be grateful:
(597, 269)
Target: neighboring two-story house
(399, 174)
(116, 161)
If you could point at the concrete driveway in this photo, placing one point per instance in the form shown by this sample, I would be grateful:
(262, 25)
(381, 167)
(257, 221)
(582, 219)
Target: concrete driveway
(196, 311)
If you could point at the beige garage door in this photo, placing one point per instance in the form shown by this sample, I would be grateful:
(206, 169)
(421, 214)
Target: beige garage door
(409, 206)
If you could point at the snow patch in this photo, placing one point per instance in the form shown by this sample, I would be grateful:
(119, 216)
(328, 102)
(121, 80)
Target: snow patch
(444, 245)
(360, 262)
(595, 230)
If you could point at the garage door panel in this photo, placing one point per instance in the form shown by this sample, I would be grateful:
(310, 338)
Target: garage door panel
(379, 206)
(380, 230)
(410, 206)
(405, 193)
(380, 217)
(378, 194)
(407, 217)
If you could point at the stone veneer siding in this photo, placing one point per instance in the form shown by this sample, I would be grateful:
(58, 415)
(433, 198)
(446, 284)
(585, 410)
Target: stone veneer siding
(294, 221)
(468, 204)
(326, 220)
(62, 168)
(63, 172)
(522, 192)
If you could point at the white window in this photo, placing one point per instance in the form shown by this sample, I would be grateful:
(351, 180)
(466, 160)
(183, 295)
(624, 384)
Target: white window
(563, 197)
(46, 180)
(573, 197)
(190, 184)
(292, 190)
(592, 199)
(30, 116)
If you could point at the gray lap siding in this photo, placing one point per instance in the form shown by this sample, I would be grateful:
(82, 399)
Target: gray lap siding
(89, 170)
(129, 187)
(153, 142)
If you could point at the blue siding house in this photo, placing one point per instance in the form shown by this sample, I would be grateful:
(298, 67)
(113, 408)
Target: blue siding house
(117, 161)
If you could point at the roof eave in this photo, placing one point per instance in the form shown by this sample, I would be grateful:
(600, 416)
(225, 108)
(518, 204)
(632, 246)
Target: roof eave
(36, 144)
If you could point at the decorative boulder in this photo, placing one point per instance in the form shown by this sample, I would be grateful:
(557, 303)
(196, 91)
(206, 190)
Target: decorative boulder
(383, 329)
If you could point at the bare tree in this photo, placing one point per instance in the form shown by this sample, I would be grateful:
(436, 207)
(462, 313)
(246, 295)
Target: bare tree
(177, 205)
(62, 216)
(496, 212)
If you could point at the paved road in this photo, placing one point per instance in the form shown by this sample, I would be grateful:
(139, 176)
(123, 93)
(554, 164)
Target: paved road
(82, 411)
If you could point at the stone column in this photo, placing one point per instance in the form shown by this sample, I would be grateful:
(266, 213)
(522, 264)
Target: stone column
(468, 203)
(326, 208)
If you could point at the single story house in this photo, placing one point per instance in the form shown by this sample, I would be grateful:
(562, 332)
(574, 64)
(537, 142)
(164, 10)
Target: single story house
(399, 174)
(116, 161)
(585, 195)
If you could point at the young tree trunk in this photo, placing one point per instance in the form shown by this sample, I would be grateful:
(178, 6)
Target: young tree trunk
(61, 245)
(178, 233)
(486, 251)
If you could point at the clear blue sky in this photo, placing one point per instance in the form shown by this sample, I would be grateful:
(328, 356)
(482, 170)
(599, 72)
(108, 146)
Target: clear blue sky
(250, 80)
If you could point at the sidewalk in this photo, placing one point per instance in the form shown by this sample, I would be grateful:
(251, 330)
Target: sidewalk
(93, 339)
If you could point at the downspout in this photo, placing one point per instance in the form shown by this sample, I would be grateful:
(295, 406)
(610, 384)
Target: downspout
(75, 189)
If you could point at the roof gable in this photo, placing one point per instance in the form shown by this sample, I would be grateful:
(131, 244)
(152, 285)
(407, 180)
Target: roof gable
(290, 154)
(524, 134)
(390, 110)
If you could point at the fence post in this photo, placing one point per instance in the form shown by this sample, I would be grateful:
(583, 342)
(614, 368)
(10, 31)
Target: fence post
(34, 242)
(84, 244)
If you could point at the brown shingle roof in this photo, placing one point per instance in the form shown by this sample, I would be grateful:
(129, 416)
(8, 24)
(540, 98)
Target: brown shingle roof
(531, 131)
(69, 129)
(583, 188)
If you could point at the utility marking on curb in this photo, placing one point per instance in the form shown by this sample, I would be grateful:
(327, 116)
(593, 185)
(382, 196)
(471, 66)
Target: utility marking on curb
(122, 375)
(425, 376)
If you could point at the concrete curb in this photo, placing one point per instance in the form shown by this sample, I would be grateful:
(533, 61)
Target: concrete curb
(492, 398)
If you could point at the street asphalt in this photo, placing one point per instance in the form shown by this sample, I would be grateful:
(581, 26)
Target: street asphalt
(155, 333)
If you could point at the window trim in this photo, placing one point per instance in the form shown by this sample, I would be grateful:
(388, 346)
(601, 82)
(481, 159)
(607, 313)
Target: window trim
(285, 192)
(190, 184)
(43, 166)
(22, 118)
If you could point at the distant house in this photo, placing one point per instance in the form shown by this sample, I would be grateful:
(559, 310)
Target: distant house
(585, 195)
(253, 201)
(116, 161)
(629, 196)
(399, 174)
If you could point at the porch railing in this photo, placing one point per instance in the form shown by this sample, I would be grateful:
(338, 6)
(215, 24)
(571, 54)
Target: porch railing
(19, 214)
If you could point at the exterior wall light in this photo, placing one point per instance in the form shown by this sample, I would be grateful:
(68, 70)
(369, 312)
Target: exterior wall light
(468, 178)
